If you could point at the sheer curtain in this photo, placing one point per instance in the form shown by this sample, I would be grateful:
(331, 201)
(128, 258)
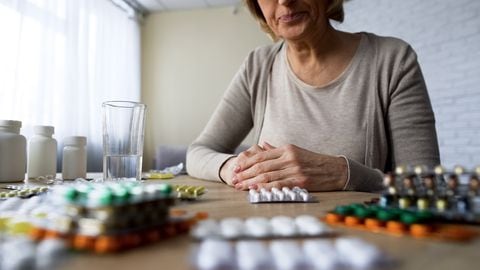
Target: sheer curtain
(60, 59)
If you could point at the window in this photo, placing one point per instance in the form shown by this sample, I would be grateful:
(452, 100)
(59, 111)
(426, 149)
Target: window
(60, 60)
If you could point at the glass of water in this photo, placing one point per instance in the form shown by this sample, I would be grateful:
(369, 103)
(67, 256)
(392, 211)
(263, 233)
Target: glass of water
(123, 133)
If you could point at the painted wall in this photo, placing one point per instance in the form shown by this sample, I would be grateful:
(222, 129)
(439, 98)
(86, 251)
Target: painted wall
(188, 60)
(446, 37)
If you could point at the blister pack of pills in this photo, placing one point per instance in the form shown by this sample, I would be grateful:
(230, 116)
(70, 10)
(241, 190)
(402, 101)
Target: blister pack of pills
(261, 228)
(21, 191)
(342, 253)
(398, 222)
(285, 195)
(186, 192)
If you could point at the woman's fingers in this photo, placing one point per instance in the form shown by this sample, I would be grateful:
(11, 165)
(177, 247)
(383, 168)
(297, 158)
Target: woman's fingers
(245, 164)
(267, 177)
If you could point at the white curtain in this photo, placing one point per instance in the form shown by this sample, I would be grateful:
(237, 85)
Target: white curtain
(60, 59)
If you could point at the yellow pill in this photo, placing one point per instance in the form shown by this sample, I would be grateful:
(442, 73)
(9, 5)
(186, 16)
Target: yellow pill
(422, 204)
(404, 203)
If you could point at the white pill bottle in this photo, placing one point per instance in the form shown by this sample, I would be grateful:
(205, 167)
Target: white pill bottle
(74, 161)
(13, 152)
(42, 153)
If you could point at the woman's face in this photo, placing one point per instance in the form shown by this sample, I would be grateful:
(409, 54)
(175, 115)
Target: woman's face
(294, 19)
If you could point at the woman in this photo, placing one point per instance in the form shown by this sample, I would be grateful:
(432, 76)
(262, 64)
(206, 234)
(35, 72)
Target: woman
(330, 110)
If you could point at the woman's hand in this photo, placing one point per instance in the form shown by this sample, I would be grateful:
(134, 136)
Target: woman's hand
(230, 168)
(267, 166)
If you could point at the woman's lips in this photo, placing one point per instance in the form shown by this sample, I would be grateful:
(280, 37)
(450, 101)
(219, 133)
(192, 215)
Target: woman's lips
(292, 17)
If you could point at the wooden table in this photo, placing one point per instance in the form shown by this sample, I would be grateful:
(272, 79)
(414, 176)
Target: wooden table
(222, 201)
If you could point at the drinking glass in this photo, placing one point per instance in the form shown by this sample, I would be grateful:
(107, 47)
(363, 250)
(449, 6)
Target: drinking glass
(123, 133)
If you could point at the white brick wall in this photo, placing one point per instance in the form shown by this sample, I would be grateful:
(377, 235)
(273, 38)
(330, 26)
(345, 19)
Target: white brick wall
(446, 37)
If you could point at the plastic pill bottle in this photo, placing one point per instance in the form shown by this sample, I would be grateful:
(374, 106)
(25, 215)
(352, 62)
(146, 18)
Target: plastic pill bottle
(42, 153)
(74, 161)
(13, 152)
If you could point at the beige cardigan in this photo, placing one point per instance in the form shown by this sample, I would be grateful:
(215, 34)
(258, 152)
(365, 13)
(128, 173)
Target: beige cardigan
(400, 127)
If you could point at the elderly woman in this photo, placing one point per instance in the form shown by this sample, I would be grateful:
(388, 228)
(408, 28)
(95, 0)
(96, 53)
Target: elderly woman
(329, 110)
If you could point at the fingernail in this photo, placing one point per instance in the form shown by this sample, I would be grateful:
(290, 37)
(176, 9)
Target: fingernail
(254, 186)
(236, 169)
(238, 186)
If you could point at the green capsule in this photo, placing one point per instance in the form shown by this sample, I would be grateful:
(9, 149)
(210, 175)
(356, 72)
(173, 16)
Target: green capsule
(375, 208)
(343, 210)
(409, 218)
(70, 194)
(363, 212)
(120, 195)
(83, 190)
(387, 215)
(100, 197)
(165, 189)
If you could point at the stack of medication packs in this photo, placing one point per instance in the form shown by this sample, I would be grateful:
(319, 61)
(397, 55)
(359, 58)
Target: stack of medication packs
(108, 217)
(261, 228)
(285, 195)
(342, 253)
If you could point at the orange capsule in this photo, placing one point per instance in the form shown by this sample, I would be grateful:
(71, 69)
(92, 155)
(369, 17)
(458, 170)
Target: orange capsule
(37, 233)
(201, 215)
(333, 218)
(83, 242)
(352, 221)
(106, 244)
(396, 227)
(52, 234)
(420, 230)
(373, 224)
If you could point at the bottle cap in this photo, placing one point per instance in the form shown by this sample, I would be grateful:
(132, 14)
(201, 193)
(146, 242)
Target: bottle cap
(44, 130)
(10, 123)
(75, 140)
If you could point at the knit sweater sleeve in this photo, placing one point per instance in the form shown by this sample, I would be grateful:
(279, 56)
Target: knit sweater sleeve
(227, 127)
(410, 117)
(409, 121)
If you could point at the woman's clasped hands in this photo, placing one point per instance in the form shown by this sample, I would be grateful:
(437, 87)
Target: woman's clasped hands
(267, 166)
